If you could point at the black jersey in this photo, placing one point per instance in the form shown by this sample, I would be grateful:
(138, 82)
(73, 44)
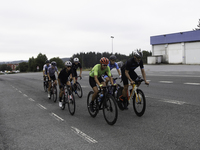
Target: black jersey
(63, 75)
(75, 67)
(131, 64)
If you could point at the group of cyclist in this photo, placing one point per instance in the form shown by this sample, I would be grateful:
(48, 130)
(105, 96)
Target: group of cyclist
(64, 77)
(103, 69)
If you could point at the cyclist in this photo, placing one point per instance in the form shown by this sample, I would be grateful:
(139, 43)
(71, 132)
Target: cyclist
(75, 65)
(128, 73)
(63, 79)
(51, 75)
(95, 76)
(45, 68)
(112, 64)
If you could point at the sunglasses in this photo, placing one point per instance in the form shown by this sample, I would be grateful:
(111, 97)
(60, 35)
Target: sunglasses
(105, 65)
(68, 66)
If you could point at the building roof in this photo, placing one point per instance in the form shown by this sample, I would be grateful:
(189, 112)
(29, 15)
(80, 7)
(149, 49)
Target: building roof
(189, 36)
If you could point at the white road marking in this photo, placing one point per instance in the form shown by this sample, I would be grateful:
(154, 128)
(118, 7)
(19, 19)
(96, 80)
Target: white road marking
(193, 83)
(30, 99)
(56, 117)
(83, 135)
(166, 81)
(173, 102)
(25, 95)
(84, 86)
(41, 106)
(20, 91)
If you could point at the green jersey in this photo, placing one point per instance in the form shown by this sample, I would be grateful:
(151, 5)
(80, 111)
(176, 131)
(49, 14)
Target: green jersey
(96, 71)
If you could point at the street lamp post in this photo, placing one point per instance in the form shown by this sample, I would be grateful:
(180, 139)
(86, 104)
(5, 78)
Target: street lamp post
(112, 37)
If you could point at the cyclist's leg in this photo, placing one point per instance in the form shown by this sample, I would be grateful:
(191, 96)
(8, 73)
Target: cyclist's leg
(94, 87)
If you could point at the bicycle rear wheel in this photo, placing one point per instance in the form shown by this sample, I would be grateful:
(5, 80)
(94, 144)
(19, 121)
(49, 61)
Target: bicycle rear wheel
(71, 104)
(63, 102)
(54, 92)
(79, 90)
(139, 103)
(45, 87)
(110, 111)
(92, 108)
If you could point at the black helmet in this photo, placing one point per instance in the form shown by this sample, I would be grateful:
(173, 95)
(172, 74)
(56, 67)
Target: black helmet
(113, 57)
(47, 61)
(53, 63)
(138, 53)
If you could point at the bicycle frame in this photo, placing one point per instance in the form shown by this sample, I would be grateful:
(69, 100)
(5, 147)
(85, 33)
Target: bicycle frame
(134, 90)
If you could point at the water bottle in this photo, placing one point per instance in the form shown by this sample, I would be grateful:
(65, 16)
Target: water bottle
(100, 97)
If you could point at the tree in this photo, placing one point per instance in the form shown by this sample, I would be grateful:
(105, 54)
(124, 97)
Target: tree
(4, 67)
(31, 64)
(23, 66)
(58, 61)
(198, 26)
(40, 61)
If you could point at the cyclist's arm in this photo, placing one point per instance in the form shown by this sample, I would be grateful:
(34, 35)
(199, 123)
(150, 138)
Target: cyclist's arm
(128, 76)
(111, 80)
(80, 72)
(119, 72)
(48, 76)
(144, 76)
(59, 82)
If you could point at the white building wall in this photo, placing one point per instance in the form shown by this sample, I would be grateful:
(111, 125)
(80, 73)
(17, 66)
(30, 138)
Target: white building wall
(175, 53)
(192, 52)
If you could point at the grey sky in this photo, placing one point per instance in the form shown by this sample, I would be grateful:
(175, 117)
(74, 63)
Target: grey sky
(64, 27)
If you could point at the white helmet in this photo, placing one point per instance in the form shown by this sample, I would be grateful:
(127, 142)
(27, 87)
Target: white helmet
(76, 59)
(138, 53)
(68, 63)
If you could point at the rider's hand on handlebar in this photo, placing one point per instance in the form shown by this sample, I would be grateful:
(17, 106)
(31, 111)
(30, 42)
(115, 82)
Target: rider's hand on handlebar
(132, 82)
(146, 82)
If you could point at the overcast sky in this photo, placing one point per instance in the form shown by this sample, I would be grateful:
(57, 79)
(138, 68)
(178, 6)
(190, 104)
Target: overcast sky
(61, 28)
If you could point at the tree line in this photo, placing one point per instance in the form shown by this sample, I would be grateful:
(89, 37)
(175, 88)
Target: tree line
(87, 60)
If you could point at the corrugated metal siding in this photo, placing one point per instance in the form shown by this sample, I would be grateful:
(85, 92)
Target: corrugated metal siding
(176, 37)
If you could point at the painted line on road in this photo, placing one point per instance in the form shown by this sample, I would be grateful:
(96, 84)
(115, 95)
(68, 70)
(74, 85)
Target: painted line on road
(20, 91)
(193, 83)
(169, 101)
(166, 81)
(84, 86)
(173, 101)
(39, 105)
(56, 117)
(30, 99)
(25, 95)
(83, 135)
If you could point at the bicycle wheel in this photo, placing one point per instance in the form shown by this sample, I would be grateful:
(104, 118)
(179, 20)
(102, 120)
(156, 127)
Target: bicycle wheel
(45, 87)
(139, 105)
(79, 90)
(110, 111)
(92, 108)
(55, 94)
(63, 102)
(71, 104)
(119, 102)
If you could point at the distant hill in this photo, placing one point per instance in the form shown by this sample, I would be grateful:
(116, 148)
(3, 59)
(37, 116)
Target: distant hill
(19, 61)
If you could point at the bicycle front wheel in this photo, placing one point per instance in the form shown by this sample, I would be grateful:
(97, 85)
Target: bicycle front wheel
(71, 103)
(92, 106)
(79, 90)
(139, 103)
(110, 111)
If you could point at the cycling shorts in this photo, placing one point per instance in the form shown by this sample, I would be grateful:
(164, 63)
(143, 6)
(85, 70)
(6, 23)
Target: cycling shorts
(133, 75)
(92, 81)
(53, 78)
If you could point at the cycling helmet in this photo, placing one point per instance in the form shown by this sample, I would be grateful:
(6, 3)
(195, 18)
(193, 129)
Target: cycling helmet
(68, 63)
(47, 61)
(76, 59)
(53, 63)
(138, 53)
(113, 57)
(120, 64)
(104, 61)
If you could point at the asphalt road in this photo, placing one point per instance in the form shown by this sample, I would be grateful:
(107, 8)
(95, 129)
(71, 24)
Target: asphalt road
(30, 121)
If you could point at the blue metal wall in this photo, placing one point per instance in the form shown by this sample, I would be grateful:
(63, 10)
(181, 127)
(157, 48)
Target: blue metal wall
(190, 36)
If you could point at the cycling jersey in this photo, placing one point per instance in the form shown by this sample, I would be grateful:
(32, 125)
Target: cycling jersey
(131, 65)
(96, 71)
(45, 68)
(74, 68)
(115, 65)
(63, 76)
(52, 71)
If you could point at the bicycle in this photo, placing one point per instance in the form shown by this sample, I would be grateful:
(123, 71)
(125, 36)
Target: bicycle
(116, 91)
(66, 99)
(107, 103)
(78, 89)
(45, 83)
(53, 91)
(138, 97)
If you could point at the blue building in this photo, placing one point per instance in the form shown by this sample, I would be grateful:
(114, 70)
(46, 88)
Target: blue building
(178, 48)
